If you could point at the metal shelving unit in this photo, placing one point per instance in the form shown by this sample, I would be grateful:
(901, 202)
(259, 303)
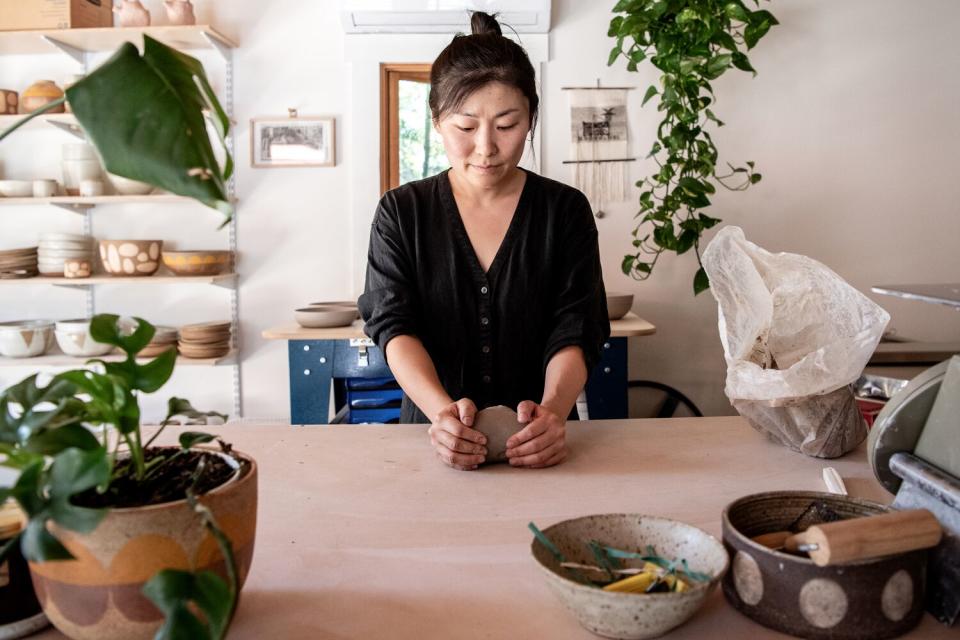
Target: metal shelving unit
(77, 45)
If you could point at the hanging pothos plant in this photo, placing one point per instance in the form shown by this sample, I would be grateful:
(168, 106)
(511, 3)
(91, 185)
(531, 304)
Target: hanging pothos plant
(692, 43)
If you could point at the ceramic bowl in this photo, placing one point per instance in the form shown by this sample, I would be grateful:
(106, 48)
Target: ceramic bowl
(868, 600)
(128, 187)
(25, 339)
(130, 257)
(57, 236)
(16, 188)
(618, 304)
(325, 316)
(350, 304)
(197, 263)
(629, 615)
(74, 339)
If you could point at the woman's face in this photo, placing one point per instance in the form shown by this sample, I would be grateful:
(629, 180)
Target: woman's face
(484, 138)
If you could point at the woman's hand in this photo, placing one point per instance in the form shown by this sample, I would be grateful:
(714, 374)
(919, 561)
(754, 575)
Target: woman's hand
(543, 442)
(455, 442)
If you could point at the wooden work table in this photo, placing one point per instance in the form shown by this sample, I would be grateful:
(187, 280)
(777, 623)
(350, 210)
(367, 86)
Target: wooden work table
(362, 533)
(317, 356)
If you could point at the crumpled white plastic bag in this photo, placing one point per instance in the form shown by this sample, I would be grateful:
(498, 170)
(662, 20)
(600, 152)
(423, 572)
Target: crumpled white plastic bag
(795, 337)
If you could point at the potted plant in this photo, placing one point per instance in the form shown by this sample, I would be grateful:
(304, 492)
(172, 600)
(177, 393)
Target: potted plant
(122, 534)
(147, 117)
(692, 43)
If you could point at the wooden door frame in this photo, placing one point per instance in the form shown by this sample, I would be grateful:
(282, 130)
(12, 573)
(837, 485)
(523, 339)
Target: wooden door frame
(391, 73)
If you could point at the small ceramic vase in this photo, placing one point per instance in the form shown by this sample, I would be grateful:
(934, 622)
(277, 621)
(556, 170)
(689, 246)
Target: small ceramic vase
(132, 14)
(180, 12)
(77, 268)
(8, 102)
(40, 94)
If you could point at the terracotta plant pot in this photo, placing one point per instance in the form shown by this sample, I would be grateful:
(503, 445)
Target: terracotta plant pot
(98, 595)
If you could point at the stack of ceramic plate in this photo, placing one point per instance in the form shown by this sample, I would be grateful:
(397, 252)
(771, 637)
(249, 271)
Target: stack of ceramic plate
(205, 340)
(165, 338)
(55, 248)
(18, 263)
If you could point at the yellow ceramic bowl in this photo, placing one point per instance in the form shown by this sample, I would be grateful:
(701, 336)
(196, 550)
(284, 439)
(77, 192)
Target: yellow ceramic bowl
(197, 263)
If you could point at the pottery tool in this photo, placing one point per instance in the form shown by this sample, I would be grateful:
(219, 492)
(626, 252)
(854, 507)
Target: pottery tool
(831, 478)
(866, 538)
(914, 449)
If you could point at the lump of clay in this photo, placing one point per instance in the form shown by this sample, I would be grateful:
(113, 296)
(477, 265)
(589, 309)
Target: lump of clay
(498, 424)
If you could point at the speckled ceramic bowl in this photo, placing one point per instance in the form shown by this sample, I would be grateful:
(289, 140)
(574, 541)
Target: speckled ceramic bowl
(628, 615)
(869, 600)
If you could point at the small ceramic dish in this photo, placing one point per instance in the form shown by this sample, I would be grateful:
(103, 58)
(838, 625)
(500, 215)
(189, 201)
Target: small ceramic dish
(25, 339)
(325, 316)
(197, 263)
(632, 616)
(618, 304)
(16, 188)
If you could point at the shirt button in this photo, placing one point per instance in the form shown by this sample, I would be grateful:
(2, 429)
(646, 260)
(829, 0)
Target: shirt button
(484, 321)
(484, 290)
(486, 349)
(486, 379)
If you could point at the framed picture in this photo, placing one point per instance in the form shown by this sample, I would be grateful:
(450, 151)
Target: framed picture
(303, 141)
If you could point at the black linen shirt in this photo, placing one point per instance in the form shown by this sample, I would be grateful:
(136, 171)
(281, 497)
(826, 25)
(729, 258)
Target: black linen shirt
(490, 335)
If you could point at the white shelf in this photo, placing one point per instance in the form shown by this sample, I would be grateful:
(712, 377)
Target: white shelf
(224, 280)
(59, 359)
(110, 38)
(82, 204)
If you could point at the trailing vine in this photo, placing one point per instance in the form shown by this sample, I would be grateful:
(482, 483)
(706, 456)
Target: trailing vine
(692, 42)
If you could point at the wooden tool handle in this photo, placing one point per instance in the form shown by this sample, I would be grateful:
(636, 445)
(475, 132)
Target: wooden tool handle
(870, 537)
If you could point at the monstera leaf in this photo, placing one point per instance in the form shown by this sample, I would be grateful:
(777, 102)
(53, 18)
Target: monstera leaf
(145, 115)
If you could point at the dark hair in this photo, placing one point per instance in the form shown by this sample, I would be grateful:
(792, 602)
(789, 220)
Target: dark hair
(471, 61)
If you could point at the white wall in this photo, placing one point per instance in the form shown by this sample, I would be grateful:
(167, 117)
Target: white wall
(852, 121)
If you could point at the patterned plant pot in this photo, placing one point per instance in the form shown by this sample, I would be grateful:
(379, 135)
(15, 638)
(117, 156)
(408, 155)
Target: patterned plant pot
(97, 596)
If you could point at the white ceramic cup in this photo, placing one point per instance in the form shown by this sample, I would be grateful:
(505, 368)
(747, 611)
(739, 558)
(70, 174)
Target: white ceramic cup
(91, 188)
(44, 188)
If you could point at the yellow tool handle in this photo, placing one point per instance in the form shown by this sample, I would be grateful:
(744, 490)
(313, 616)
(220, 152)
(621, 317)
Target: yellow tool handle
(870, 537)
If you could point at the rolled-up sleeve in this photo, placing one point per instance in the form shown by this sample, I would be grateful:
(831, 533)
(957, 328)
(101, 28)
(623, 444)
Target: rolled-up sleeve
(579, 316)
(389, 298)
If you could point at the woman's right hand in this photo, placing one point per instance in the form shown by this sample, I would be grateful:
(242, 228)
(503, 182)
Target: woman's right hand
(455, 442)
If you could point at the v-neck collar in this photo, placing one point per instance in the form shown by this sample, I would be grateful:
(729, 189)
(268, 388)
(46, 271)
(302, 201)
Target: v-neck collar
(460, 230)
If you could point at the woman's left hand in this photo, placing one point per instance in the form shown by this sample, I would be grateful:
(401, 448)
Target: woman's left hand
(543, 442)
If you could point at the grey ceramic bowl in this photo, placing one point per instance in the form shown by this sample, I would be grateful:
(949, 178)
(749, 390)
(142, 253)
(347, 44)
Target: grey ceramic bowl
(618, 304)
(628, 615)
(325, 316)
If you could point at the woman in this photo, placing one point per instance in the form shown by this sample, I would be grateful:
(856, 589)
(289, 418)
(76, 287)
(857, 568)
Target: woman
(483, 282)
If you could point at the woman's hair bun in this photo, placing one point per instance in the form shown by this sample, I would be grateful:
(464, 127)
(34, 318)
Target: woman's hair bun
(483, 23)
